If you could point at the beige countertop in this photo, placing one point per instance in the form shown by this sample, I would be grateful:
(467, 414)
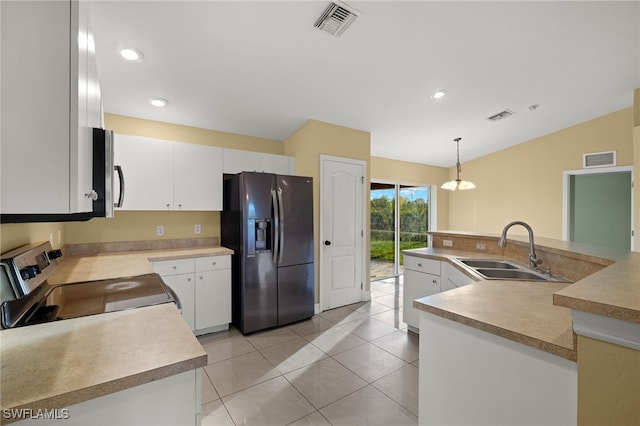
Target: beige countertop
(613, 291)
(521, 311)
(538, 314)
(123, 264)
(61, 363)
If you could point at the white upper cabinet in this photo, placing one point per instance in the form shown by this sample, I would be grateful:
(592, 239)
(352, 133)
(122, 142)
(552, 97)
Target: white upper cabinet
(166, 175)
(197, 180)
(50, 101)
(147, 165)
(236, 161)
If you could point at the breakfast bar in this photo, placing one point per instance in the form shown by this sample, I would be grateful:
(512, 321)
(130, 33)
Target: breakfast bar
(508, 350)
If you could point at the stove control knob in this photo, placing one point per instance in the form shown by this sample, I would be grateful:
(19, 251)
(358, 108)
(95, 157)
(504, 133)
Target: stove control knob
(54, 254)
(29, 272)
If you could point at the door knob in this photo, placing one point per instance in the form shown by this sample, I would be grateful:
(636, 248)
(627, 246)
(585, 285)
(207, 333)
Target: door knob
(327, 243)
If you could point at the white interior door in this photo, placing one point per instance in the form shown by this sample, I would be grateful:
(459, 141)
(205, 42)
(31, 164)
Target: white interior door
(341, 231)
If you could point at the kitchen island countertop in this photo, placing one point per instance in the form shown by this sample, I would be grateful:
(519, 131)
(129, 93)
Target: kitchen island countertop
(538, 314)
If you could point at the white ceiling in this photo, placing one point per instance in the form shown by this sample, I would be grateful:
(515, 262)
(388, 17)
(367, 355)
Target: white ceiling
(262, 69)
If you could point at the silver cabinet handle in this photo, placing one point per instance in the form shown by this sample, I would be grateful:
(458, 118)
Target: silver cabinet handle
(168, 205)
(420, 265)
(93, 195)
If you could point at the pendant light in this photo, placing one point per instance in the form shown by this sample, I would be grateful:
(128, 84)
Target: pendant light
(458, 184)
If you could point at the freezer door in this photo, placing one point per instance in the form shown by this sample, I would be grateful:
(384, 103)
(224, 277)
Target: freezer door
(259, 309)
(295, 197)
(295, 293)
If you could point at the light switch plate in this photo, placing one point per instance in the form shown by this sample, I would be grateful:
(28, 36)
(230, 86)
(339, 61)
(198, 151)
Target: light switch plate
(447, 243)
(197, 228)
(159, 230)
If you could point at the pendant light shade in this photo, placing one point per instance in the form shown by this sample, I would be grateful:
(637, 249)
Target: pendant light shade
(458, 183)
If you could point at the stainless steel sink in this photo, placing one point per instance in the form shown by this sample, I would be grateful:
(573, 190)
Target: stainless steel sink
(502, 269)
(511, 274)
(487, 263)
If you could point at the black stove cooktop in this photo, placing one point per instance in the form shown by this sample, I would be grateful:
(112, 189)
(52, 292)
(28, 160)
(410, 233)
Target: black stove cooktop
(65, 301)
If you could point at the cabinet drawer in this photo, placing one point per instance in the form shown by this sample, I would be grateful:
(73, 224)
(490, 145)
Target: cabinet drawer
(211, 263)
(421, 264)
(173, 267)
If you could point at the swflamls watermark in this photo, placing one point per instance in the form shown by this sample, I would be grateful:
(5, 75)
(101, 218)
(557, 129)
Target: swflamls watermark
(40, 413)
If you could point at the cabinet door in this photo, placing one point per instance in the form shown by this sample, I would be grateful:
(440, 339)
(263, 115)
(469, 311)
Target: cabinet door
(452, 277)
(415, 286)
(197, 177)
(272, 163)
(148, 170)
(183, 285)
(35, 120)
(213, 298)
(236, 161)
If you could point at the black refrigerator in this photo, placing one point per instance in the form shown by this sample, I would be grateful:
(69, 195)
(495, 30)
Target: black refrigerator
(267, 220)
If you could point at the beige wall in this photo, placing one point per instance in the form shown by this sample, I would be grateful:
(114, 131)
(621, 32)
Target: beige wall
(14, 235)
(524, 182)
(310, 141)
(385, 169)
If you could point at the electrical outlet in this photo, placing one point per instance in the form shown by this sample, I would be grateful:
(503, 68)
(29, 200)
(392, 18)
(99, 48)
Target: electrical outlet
(197, 228)
(447, 243)
(159, 230)
(481, 246)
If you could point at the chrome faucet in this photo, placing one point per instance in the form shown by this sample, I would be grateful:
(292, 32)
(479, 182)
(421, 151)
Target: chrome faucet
(502, 242)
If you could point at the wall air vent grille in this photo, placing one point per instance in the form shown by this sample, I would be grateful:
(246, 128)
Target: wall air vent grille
(599, 159)
(336, 18)
(502, 114)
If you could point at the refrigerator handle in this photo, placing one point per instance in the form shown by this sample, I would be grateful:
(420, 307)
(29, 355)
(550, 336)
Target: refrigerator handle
(276, 224)
(281, 220)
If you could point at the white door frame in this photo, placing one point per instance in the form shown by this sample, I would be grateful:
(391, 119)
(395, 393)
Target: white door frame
(566, 179)
(323, 288)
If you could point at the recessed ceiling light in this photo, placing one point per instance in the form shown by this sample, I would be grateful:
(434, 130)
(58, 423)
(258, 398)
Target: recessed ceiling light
(438, 94)
(158, 102)
(131, 54)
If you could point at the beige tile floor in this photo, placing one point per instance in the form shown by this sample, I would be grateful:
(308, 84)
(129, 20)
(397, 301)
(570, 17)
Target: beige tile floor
(355, 365)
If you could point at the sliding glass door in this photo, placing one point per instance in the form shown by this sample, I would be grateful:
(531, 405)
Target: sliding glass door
(399, 221)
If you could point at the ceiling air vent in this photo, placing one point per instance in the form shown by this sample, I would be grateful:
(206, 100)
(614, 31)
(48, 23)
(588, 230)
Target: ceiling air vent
(599, 159)
(336, 18)
(502, 114)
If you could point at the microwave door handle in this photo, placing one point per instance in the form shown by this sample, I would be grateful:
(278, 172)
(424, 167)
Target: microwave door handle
(276, 224)
(118, 169)
(281, 220)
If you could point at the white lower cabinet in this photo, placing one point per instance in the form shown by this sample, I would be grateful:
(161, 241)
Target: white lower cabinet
(213, 291)
(452, 277)
(421, 279)
(424, 277)
(203, 286)
(174, 400)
